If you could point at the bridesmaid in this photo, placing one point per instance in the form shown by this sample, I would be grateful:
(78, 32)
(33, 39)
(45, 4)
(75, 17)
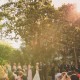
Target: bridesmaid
(29, 74)
(14, 67)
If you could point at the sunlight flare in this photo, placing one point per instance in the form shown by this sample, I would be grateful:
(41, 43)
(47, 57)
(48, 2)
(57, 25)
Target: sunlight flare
(78, 6)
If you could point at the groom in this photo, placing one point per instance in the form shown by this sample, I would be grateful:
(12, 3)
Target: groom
(41, 70)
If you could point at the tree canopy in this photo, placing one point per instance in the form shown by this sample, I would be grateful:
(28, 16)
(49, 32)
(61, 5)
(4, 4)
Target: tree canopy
(44, 30)
(5, 51)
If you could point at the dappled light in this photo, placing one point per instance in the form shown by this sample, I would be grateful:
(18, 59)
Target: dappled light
(77, 4)
(36, 36)
(78, 7)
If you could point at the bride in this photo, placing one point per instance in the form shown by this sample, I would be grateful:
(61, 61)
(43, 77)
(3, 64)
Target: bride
(36, 76)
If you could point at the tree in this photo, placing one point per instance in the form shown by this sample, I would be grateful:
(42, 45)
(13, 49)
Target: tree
(46, 31)
(5, 51)
(68, 19)
(30, 26)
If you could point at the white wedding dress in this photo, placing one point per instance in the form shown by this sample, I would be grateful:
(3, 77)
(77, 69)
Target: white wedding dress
(36, 76)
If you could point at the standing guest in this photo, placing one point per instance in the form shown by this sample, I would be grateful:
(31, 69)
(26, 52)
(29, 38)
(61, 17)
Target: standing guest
(37, 76)
(65, 76)
(2, 72)
(25, 67)
(79, 66)
(58, 75)
(74, 75)
(25, 72)
(24, 75)
(78, 75)
(19, 66)
(20, 76)
(62, 67)
(79, 70)
(12, 76)
(29, 73)
(14, 68)
(5, 77)
(5, 68)
(72, 67)
(52, 72)
(9, 68)
(67, 67)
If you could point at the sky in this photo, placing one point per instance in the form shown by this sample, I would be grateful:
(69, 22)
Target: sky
(56, 3)
(3, 1)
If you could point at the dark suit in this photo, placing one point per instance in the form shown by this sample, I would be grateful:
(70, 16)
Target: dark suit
(53, 73)
(74, 77)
